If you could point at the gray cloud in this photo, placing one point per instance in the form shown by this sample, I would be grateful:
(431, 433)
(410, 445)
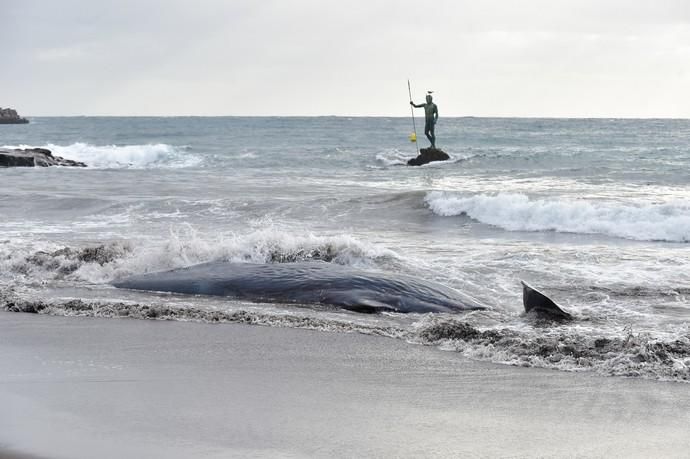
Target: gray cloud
(489, 57)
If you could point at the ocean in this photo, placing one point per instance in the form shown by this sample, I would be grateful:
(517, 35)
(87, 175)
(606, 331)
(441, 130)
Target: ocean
(594, 213)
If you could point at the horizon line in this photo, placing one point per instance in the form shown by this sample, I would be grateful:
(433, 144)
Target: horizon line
(597, 117)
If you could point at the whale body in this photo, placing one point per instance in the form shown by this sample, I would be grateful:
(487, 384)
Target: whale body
(308, 283)
(327, 284)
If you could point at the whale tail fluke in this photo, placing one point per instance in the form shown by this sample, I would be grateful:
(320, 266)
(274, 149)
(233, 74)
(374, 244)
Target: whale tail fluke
(542, 306)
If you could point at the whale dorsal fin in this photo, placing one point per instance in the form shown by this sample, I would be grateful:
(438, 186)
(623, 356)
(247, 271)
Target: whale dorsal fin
(537, 303)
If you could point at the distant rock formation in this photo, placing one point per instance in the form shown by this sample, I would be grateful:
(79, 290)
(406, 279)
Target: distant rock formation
(427, 155)
(10, 116)
(33, 157)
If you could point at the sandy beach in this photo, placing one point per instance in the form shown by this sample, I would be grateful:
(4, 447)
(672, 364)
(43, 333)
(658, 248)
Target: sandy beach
(84, 387)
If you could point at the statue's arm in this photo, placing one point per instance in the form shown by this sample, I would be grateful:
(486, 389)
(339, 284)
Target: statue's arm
(417, 106)
(435, 113)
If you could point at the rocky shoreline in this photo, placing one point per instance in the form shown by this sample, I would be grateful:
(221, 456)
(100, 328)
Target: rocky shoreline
(10, 116)
(34, 157)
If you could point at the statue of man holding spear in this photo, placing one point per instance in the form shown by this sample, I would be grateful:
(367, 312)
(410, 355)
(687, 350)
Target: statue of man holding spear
(431, 116)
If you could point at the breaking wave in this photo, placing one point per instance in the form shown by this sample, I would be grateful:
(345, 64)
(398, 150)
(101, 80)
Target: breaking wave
(124, 156)
(185, 247)
(516, 212)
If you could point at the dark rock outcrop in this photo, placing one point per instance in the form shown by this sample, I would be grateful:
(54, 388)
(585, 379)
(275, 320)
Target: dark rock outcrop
(34, 157)
(427, 155)
(10, 116)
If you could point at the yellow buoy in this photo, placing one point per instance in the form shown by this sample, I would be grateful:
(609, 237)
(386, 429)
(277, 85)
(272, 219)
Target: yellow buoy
(413, 137)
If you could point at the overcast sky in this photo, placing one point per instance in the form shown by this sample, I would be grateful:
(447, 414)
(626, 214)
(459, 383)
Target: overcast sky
(579, 58)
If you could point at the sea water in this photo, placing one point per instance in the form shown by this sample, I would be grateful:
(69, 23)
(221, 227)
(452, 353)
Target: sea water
(594, 213)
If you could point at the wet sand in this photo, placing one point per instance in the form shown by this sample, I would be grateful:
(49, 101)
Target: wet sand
(108, 388)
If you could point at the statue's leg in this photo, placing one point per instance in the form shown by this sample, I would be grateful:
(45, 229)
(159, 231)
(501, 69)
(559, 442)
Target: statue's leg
(429, 133)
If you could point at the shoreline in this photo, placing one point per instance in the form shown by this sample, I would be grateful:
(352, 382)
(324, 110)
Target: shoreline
(91, 387)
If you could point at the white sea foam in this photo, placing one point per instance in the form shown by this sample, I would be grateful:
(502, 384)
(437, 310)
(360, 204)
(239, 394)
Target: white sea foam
(393, 157)
(123, 156)
(517, 212)
(184, 246)
(614, 351)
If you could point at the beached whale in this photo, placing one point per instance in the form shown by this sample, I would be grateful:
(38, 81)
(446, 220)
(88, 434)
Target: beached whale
(324, 283)
(308, 283)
